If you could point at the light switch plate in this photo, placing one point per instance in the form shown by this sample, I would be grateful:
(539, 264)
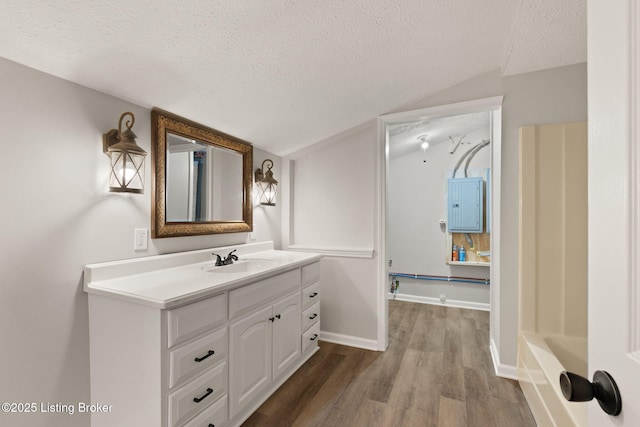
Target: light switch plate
(140, 239)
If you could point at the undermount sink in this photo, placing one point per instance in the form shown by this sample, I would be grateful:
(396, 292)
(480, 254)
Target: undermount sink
(243, 266)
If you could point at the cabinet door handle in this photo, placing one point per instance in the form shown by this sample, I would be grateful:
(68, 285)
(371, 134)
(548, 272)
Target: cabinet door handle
(313, 316)
(212, 425)
(313, 295)
(278, 316)
(272, 318)
(209, 353)
(200, 399)
(314, 337)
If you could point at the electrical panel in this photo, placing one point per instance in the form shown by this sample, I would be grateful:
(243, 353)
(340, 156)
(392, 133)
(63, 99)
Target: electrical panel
(465, 205)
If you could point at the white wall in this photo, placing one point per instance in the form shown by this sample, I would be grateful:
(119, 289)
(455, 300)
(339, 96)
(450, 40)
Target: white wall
(549, 96)
(332, 204)
(416, 241)
(57, 216)
(267, 219)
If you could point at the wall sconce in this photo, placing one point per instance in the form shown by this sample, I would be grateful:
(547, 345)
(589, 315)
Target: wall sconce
(267, 185)
(126, 158)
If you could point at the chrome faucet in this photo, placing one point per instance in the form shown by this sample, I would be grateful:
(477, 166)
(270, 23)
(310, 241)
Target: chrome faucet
(226, 261)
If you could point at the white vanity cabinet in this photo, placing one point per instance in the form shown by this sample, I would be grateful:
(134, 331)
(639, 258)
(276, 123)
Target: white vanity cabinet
(158, 367)
(201, 358)
(265, 343)
(263, 346)
(310, 307)
(198, 368)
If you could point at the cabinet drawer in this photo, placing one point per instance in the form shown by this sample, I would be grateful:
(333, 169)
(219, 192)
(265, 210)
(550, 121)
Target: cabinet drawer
(197, 395)
(310, 274)
(198, 356)
(193, 319)
(215, 415)
(310, 295)
(310, 316)
(310, 337)
(246, 298)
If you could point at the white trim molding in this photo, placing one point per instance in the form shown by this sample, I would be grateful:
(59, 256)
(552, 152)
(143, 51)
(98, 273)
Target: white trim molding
(436, 301)
(335, 251)
(634, 196)
(501, 370)
(349, 340)
(465, 107)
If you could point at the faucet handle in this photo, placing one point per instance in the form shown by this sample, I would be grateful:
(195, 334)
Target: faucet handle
(232, 256)
(218, 259)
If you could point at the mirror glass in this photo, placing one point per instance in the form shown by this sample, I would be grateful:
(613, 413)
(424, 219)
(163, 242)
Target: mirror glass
(202, 179)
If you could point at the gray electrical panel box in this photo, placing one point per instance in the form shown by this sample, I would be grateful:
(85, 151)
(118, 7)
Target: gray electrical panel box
(465, 205)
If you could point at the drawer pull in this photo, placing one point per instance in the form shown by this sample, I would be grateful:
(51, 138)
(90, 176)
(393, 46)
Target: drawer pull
(313, 316)
(209, 353)
(313, 295)
(212, 425)
(314, 337)
(200, 399)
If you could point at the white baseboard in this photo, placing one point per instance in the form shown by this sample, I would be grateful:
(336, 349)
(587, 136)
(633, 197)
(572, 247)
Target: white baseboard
(349, 340)
(436, 301)
(501, 370)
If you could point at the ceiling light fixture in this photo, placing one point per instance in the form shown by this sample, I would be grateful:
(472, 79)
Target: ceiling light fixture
(423, 139)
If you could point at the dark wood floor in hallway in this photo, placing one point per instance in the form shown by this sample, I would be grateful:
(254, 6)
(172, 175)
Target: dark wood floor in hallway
(437, 371)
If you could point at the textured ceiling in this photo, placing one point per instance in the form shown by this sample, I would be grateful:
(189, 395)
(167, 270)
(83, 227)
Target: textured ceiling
(283, 74)
(407, 137)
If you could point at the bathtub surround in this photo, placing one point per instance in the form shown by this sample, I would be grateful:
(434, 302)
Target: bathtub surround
(553, 268)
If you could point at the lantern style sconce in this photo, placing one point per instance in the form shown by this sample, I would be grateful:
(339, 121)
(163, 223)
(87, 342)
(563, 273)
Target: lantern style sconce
(267, 185)
(126, 158)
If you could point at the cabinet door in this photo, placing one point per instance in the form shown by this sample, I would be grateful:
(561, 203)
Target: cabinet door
(286, 333)
(250, 357)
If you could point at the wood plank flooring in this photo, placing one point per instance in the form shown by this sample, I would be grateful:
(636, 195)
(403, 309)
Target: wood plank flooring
(436, 372)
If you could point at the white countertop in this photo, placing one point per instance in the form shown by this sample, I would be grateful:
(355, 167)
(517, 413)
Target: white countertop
(166, 281)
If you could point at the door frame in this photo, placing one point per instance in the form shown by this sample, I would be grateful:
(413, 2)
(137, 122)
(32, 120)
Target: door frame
(493, 104)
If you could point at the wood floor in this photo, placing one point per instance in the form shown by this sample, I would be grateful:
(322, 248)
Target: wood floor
(436, 372)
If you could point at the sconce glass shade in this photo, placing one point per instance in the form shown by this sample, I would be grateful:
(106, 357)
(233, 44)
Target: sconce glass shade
(267, 185)
(126, 159)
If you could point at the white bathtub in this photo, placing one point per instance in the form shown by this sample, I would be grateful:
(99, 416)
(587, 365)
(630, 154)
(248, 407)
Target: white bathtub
(540, 361)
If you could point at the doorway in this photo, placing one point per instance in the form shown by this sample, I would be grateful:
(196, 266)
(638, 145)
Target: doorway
(386, 125)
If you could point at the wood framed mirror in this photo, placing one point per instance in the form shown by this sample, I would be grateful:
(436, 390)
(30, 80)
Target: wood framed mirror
(201, 179)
